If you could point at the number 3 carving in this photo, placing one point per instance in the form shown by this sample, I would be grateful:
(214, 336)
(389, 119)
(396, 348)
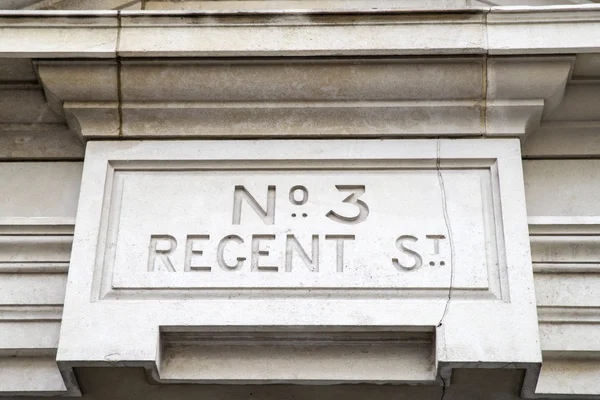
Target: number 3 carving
(363, 209)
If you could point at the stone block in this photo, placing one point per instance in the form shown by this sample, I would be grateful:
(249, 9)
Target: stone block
(191, 258)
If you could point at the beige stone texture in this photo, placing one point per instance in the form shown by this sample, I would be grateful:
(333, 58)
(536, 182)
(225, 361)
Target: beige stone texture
(240, 70)
(38, 202)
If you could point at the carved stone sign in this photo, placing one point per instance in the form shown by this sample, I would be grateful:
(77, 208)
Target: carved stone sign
(402, 236)
(368, 226)
(354, 229)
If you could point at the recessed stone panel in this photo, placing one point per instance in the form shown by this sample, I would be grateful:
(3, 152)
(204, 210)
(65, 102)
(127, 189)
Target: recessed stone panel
(311, 229)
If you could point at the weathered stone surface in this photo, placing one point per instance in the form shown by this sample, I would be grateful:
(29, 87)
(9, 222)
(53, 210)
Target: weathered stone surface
(39, 189)
(39, 201)
(320, 244)
(255, 5)
(147, 298)
(358, 97)
(565, 232)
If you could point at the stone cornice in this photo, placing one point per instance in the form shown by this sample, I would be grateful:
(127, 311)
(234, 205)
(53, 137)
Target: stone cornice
(371, 97)
(504, 95)
(108, 34)
(270, 4)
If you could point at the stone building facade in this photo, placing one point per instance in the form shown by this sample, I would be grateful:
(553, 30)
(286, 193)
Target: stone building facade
(294, 199)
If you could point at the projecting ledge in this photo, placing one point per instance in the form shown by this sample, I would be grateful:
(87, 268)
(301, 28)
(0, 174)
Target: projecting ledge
(296, 356)
(359, 31)
(357, 97)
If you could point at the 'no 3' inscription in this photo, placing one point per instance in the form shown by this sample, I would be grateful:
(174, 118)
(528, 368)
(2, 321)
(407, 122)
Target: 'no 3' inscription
(259, 246)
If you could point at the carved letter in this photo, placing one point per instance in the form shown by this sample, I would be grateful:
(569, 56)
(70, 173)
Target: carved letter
(267, 216)
(303, 190)
(292, 244)
(339, 246)
(363, 209)
(400, 245)
(436, 242)
(192, 249)
(257, 252)
(161, 246)
(221, 249)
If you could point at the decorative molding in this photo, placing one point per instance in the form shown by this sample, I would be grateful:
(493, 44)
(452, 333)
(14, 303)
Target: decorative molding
(322, 5)
(34, 247)
(29, 127)
(566, 264)
(521, 91)
(566, 268)
(359, 32)
(563, 225)
(30, 313)
(34, 259)
(513, 94)
(294, 98)
(577, 315)
(565, 244)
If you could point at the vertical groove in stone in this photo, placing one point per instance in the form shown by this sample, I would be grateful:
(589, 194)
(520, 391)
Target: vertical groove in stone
(119, 91)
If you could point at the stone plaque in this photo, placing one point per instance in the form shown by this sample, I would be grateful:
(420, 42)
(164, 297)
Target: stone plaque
(179, 242)
(309, 230)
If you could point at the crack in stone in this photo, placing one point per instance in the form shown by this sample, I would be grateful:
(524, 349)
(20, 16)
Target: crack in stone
(448, 228)
(131, 3)
(443, 388)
